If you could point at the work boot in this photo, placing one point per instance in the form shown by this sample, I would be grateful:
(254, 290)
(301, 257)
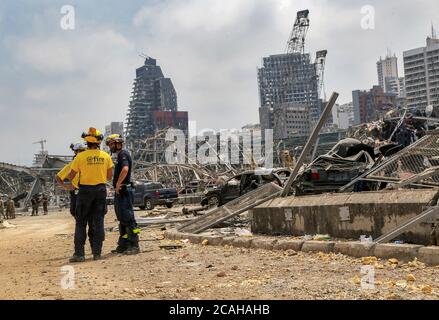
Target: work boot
(97, 257)
(76, 258)
(132, 250)
(119, 249)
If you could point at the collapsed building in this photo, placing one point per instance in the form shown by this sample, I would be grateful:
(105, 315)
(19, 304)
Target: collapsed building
(22, 183)
(290, 85)
(153, 107)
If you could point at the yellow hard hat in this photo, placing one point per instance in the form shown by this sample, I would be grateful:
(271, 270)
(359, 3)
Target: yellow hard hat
(114, 138)
(93, 136)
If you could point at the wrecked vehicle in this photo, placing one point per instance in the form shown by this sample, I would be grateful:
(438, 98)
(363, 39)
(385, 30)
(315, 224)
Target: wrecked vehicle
(347, 160)
(242, 183)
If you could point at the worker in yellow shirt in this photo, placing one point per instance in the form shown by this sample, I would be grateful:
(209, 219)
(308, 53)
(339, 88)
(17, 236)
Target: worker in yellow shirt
(73, 187)
(62, 176)
(95, 168)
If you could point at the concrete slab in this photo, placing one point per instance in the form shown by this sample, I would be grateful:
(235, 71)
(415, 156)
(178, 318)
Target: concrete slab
(317, 246)
(403, 252)
(266, 244)
(345, 215)
(242, 242)
(429, 255)
(355, 248)
(295, 245)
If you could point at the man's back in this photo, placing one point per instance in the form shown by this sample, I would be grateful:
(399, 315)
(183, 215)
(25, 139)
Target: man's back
(92, 165)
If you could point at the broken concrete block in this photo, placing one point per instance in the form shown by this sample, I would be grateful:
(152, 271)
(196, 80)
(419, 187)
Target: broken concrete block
(295, 245)
(242, 242)
(404, 252)
(429, 255)
(355, 248)
(266, 244)
(213, 240)
(318, 246)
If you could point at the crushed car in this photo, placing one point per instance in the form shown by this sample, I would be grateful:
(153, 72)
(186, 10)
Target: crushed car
(242, 183)
(347, 160)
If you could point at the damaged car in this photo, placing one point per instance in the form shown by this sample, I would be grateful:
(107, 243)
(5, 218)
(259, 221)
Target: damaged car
(347, 160)
(242, 183)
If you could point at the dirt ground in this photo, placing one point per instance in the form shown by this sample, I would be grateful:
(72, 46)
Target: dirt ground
(34, 255)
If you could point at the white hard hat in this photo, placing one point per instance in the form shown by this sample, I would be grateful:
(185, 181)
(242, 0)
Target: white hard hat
(80, 145)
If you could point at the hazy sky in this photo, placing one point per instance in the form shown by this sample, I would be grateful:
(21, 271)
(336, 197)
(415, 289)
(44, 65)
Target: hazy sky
(55, 83)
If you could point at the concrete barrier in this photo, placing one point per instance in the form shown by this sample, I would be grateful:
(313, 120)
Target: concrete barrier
(429, 255)
(403, 252)
(354, 248)
(212, 240)
(266, 244)
(227, 241)
(345, 215)
(295, 245)
(318, 246)
(242, 242)
(194, 238)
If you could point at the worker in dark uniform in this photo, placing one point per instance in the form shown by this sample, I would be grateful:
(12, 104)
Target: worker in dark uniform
(128, 242)
(35, 203)
(73, 187)
(10, 208)
(95, 168)
(45, 202)
(2, 209)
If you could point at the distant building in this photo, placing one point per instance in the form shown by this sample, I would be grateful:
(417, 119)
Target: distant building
(114, 128)
(171, 119)
(289, 78)
(343, 115)
(388, 78)
(388, 73)
(291, 119)
(372, 105)
(421, 67)
(153, 105)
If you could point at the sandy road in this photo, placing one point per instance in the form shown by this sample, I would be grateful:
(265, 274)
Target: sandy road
(32, 255)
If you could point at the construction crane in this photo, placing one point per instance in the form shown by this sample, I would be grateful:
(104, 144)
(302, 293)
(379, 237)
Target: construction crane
(296, 42)
(320, 71)
(41, 142)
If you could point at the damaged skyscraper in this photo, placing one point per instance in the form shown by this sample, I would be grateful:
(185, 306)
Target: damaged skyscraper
(153, 106)
(292, 83)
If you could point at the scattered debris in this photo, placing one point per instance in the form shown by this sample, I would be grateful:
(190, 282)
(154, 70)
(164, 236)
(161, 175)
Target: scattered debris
(6, 225)
(411, 277)
(170, 246)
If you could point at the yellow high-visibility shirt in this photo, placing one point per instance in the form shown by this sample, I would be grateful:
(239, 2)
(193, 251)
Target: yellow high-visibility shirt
(92, 165)
(65, 172)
